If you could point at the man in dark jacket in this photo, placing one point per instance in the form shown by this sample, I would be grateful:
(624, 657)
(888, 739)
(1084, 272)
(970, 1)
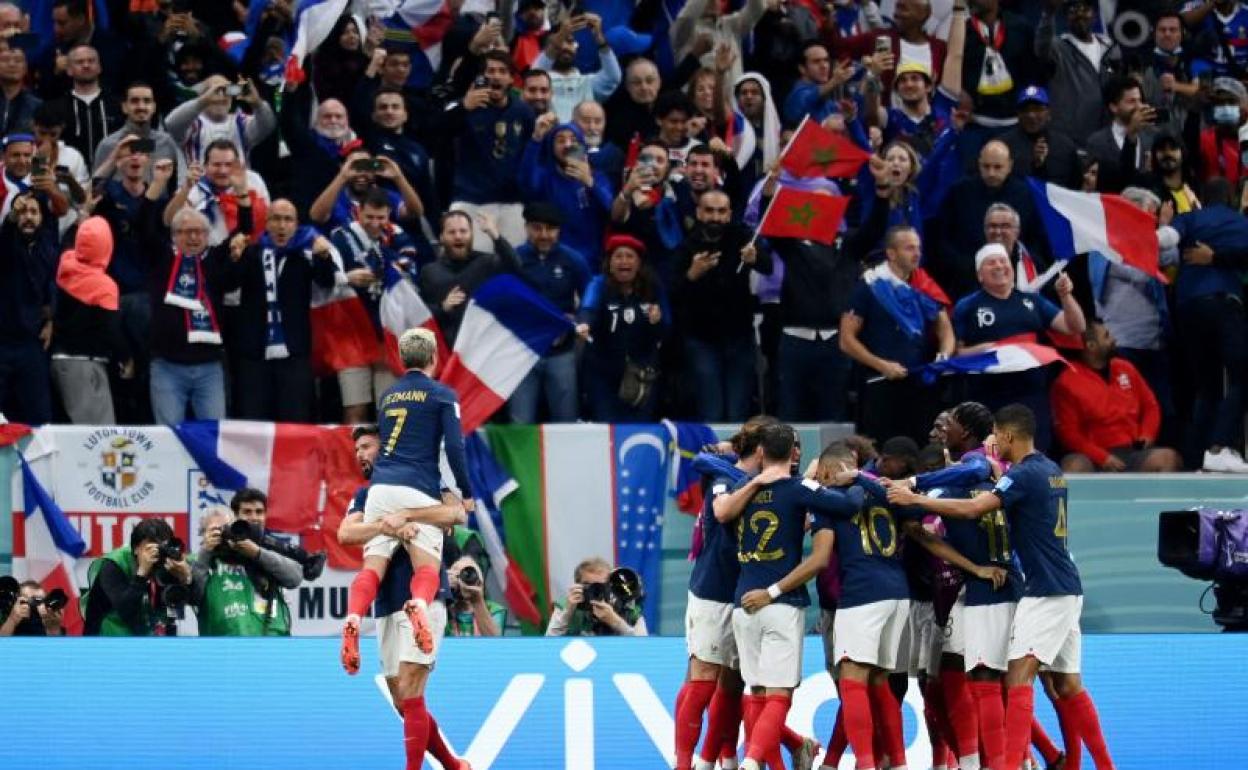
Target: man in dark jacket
(1041, 150)
(447, 284)
(275, 331)
(715, 311)
(28, 258)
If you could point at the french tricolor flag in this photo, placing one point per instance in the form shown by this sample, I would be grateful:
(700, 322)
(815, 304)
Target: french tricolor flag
(1002, 359)
(314, 20)
(1078, 222)
(52, 545)
(506, 330)
(342, 333)
(400, 309)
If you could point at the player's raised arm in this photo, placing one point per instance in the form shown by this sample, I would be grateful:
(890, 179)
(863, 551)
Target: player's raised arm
(453, 441)
(728, 507)
(958, 509)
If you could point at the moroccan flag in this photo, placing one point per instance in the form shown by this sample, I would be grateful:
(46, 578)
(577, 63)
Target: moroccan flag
(808, 215)
(816, 151)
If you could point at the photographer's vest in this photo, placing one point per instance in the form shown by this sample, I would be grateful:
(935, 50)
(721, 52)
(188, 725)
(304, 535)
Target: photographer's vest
(233, 607)
(112, 624)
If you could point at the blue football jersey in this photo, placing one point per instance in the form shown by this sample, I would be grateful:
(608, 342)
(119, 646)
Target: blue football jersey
(1033, 492)
(869, 548)
(416, 416)
(985, 540)
(716, 568)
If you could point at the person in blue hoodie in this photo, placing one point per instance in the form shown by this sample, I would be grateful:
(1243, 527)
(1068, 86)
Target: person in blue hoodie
(1212, 327)
(555, 169)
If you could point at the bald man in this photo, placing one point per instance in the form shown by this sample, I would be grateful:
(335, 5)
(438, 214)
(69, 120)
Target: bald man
(960, 222)
(632, 107)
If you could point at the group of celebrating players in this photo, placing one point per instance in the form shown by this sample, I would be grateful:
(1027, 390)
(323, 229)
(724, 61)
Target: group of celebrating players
(959, 576)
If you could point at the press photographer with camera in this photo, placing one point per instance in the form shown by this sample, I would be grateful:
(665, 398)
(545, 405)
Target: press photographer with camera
(29, 611)
(137, 589)
(600, 602)
(240, 572)
(470, 613)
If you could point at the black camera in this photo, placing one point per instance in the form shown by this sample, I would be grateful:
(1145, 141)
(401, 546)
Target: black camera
(594, 592)
(470, 576)
(172, 549)
(238, 531)
(313, 563)
(10, 589)
(55, 601)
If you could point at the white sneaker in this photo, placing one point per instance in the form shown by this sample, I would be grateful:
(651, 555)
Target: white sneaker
(1225, 460)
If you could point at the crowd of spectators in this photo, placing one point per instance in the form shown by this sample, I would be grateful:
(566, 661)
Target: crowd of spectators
(177, 200)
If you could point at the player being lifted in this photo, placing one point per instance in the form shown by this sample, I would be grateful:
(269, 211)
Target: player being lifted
(769, 621)
(418, 416)
(1045, 629)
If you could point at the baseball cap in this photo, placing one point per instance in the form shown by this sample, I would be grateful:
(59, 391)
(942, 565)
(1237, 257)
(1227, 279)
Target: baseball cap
(989, 250)
(913, 66)
(1034, 94)
(18, 137)
(1230, 86)
(545, 213)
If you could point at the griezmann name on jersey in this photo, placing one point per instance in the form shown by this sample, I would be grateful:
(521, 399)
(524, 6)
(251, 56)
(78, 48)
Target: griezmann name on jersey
(418, 414)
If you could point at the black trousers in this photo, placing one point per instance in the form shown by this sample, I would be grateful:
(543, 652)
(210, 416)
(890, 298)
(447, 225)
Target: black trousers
(279, 390)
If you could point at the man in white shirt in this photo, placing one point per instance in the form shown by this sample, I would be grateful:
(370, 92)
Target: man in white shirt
(1121, 149)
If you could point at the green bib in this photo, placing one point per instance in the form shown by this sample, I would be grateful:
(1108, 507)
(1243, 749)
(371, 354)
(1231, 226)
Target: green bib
(112, 624)
(233, 607)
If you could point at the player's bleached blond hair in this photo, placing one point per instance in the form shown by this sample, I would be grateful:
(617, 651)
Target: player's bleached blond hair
(417, 348)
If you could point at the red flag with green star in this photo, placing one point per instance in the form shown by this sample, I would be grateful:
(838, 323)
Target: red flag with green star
(816, 151)
(811, 216)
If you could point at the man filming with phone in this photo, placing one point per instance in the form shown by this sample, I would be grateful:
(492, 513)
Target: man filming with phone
(339, 203)
(218, 113)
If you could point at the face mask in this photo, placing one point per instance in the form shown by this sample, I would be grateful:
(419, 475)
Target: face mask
(1226, 114)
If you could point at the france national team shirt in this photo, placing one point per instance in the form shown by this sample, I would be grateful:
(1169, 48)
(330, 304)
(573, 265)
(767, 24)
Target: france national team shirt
(868, 544)
(985, 540)
(772, 528)
(921, 133)
(1033, 493)
(417, 414)
(980, 317)
(1233, 29)
(716, 568)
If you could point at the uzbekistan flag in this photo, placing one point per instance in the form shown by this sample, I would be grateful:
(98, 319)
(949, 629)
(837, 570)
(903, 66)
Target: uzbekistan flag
(584, 490)
(1002, 359)
(506, 330)
(1078, 222)
(50, 544)
(289, 462)
(401, 308)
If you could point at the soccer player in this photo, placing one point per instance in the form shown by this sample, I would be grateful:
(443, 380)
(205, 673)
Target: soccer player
(770, 510)
(1045, 629)
(405, 667)
(418, 416)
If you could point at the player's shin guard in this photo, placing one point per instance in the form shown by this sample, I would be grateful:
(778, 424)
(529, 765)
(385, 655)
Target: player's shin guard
(856, 706)
(964, 717)
(886, 712)
(1019, 711)
(722, 723)
(690, 704)
(436, 747)
(990, 705)
(362, 592)
(415, 732)
(1081, 708)
(1043, 743)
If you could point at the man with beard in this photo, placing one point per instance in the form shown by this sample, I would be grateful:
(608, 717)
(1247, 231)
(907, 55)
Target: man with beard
(389, 136)
(1121, 149)
(1170, 176)
(1081, 63)
(701, 174)
(591, 118)
(555, 169)
(715, 311)
(215, 114)
(28, 259)
(447, 284)
(316, 154)
(535, 91)
(569, 86)
(339, 203)
(139, 107)
(752, 99)
(1053, 156)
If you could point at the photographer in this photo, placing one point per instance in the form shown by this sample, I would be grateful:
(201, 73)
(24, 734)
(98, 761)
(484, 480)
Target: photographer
(470, 613)
(134, 588)
(32, 612)
(240, 581)
(596, 605)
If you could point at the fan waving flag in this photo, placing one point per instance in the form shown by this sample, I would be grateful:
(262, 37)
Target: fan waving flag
(689, 438)
(1077, 223)
(417, 26)
(50, 544)
(506, 330)
(816, 151)
(807, 215)
(342, 333)
(314, 20)
(401, 308)
(1003, 359)
(910, 307)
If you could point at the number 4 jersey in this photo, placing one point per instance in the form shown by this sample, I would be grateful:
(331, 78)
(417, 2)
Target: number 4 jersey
(772, 528)
(416, 415)
(1033, 493)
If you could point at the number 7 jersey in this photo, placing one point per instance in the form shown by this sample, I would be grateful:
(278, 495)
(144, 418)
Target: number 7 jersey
(416, 415)
(772, 528)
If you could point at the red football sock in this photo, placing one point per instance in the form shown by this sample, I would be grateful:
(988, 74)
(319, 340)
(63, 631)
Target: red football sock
(1088, 723)
(690, 704)
(1019, 710)
(960, 708)
(723, 715)
(887, 713)
(751, 707)
(1070, 734)
(1043, 743)
(415, 732)
(764, 742)
(991, 712)
(838, 742)
(789, 739)
(856, 706)
(437, 747)
(932, 705)
(362, 592)
(424, 585)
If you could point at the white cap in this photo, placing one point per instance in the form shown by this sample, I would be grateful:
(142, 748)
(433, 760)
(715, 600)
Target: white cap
(989, 250)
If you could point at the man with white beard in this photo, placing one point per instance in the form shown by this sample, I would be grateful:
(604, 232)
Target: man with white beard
(604, 156)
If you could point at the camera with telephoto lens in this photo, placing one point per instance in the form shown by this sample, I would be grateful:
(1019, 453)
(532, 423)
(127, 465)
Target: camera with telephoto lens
(468, 576)
(313, 563)
(172, 549)
(623, 591)
(55, 600)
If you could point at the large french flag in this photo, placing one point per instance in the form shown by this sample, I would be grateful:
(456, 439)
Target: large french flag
(283, 460)
(401, 308)
(506, 330)
(1002, 359)
(422, 23)
(1078, 222)
(52, 545)
(342, 333)
(314, 20)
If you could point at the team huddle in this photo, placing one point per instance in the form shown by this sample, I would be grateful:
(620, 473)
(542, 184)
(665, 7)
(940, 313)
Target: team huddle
(959, 576)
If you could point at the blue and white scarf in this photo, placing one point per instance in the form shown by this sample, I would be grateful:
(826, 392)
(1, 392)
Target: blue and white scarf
(273, 259)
